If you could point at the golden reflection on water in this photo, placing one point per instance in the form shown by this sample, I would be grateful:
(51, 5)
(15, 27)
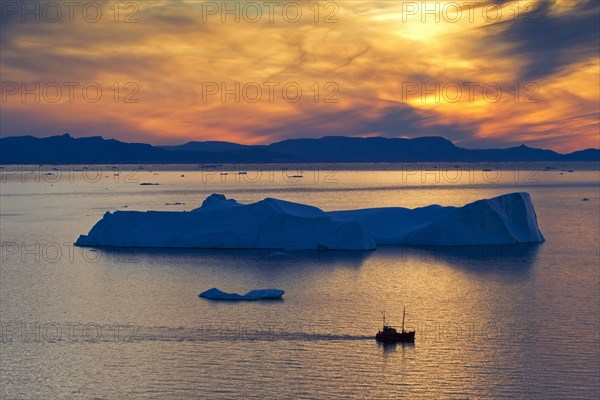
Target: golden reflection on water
(492, 322)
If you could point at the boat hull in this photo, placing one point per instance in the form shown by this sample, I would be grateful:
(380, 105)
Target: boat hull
(404, 337)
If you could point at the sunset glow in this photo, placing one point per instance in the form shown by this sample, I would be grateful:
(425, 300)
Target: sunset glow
(482, 76)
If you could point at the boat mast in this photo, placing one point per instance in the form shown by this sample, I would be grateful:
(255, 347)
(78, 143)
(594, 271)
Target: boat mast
(403, 315)
(383, 320)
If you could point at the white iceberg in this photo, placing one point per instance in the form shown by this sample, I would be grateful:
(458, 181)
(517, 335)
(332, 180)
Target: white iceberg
(222, 223)
(258, 294)
(505, 219)
(276, 224)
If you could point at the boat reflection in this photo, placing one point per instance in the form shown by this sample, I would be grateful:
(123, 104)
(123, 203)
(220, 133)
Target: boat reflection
(392, 347)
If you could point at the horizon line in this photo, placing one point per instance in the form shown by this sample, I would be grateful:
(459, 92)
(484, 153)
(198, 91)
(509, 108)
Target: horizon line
(296, 138)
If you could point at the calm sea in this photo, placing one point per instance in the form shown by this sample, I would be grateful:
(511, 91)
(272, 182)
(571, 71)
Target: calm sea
(518, 322)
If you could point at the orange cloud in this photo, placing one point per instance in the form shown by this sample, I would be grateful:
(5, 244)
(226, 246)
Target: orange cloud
(345, 69)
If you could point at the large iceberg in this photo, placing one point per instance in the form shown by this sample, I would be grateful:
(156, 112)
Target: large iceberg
(276, 224)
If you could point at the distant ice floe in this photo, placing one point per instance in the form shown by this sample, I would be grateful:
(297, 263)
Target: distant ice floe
(258, 294)
(222, 223)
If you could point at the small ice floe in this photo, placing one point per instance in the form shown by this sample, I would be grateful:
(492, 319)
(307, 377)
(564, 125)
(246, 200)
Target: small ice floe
(258, 294)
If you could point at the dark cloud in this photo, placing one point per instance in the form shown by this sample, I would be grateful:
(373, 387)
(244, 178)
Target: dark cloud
(548, 41)
(396, 120)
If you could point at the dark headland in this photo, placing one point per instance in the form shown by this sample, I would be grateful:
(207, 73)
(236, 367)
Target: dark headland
(65, 149)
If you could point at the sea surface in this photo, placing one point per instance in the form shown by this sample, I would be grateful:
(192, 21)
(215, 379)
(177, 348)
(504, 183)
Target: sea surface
(493, 322)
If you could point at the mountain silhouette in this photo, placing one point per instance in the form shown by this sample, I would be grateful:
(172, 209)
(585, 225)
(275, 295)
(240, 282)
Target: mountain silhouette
(66, 149)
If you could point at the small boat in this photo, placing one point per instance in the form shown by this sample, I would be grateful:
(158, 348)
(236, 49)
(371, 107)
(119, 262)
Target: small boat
(390, 335)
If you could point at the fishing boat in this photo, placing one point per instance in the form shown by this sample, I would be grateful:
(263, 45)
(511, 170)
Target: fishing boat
(389, 334)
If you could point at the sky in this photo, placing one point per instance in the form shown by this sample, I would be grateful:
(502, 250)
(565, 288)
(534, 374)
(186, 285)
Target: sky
(482, 74)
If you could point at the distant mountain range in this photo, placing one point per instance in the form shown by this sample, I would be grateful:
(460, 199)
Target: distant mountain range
(66, 149)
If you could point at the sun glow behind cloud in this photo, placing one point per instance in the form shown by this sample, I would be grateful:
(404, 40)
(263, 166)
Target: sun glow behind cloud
(353, 64)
